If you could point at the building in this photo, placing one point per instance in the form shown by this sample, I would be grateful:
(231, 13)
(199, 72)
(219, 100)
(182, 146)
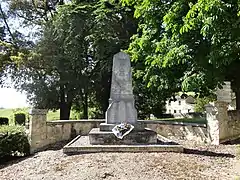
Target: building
(180, 105)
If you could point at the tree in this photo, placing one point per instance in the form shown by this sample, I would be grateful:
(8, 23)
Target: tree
(201, 102)
(152, 91)
(157, 82)
(201, 35)
(74, 56)
(29, 71)
(62, 61)
(12, 42)
(114, 27)
(34, 12)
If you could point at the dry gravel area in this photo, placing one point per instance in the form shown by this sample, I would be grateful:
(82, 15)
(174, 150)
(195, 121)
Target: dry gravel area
(202, 162)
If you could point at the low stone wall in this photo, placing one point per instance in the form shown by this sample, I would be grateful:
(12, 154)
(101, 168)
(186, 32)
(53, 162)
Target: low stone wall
(178, 131)
(222, 125)
(233, 121)
(43, 132)
(68, 129)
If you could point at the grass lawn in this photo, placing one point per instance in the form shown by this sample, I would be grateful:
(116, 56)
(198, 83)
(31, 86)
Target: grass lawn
(52, 115)
(6, 113)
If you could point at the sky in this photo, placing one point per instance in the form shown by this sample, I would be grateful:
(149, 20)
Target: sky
(10, 98)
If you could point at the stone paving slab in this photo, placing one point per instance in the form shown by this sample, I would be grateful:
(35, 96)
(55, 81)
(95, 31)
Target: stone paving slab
(81, 144)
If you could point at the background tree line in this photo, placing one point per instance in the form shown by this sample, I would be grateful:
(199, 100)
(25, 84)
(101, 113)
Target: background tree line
(65, 61)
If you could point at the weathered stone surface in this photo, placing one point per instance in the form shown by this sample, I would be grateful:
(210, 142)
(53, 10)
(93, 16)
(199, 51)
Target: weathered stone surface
(109, 127)
(81, 144)
(213, 124)
(37, 129)
(54, 131)
(145, 136)
(224, 94)
(196, 133)
(38, 111)
(223, 125)
(121, 103)
(121, 107)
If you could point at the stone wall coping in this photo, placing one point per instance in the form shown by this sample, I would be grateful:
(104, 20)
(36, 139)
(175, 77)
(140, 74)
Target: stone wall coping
(141, 121)
(34, 111)
(75, 121)
(172, 123)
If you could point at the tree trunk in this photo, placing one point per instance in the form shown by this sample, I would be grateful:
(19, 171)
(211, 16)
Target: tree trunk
(6, 24)
(85, 106)
(237, 99)
(65, 107)
(65, 110)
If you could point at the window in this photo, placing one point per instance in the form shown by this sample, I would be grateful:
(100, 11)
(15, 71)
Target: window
(169, 111)
(175, 111)
(179, 103)
(169, 103)
(189, 110)
(179, 111)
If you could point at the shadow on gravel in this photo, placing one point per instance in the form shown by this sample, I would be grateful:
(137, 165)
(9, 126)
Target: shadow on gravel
(232, 142)
(207, 153)
(57, 146)
(10, 160)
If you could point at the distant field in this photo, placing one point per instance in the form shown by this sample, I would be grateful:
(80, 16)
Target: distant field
(52, 115)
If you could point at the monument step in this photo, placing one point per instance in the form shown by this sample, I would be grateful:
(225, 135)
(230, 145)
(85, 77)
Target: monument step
(81, 144)
(145, 136)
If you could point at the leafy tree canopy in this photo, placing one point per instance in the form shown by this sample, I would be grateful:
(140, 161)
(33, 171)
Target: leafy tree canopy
(201, 36)
(71, 64)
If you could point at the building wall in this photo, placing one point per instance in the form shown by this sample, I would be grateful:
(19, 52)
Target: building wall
(179, 107)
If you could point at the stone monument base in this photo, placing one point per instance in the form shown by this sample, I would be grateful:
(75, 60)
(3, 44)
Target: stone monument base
(144, 136)
(81, 144)
(109, 127)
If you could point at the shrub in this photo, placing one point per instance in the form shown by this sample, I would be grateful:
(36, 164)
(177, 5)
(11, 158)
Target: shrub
(13, 141)
(200, 103)
(165, 116)
(4, 121)
(20, 118)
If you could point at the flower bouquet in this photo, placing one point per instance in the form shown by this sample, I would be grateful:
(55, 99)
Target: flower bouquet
(122, 130)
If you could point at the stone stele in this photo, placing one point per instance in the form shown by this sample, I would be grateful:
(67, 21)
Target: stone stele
(121, 103)
(121, 108)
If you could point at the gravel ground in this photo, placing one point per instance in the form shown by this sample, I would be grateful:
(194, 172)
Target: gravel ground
(203, 162)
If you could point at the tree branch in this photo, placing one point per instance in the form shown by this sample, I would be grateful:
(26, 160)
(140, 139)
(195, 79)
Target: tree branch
(5, 22)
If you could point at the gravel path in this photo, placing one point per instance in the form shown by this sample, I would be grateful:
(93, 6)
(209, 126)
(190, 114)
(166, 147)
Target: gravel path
(211, 163)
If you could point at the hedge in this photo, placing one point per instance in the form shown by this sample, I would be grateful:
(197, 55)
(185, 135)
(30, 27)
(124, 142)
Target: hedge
(20, 118)
(13, 141)
(4, 121)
